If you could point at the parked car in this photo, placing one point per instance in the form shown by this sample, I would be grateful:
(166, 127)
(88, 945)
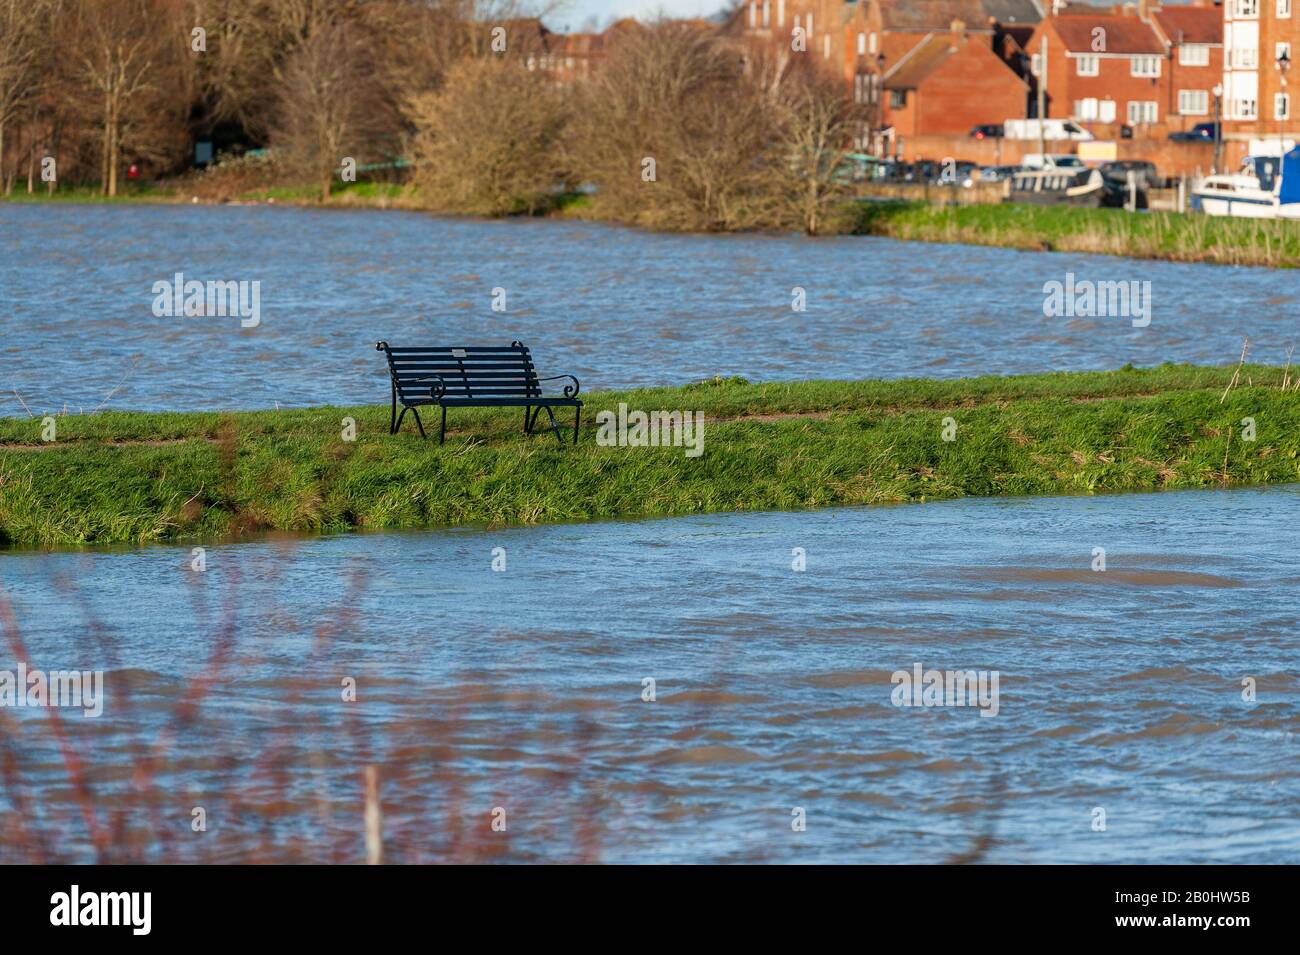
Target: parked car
(1143, 172)
(923, 170)
(987, 131)
(997, 173)
(955, 174)
(1200, 133)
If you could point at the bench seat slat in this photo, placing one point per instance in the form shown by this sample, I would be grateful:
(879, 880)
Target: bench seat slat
(468, 362)
(536, 401)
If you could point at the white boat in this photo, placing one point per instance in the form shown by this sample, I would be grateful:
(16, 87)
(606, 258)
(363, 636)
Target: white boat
(1056, 180)
(1258, 191)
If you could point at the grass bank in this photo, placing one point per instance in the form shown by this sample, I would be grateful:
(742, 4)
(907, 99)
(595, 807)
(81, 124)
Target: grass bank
(1173, 236)
(141, 477)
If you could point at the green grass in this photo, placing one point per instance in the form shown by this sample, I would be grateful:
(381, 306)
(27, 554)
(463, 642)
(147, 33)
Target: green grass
(127, 192)
(209, 476)
(1180, 237)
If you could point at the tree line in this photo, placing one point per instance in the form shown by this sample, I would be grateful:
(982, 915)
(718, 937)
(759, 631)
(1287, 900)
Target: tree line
(679, 126)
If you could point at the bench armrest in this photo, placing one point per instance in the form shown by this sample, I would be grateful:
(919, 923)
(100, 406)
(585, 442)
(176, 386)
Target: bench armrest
(437, 389)
(569, 390)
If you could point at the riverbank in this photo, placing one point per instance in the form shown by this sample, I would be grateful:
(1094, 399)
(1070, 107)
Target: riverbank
(139, 477)
(1165, 236)
(1168, 236)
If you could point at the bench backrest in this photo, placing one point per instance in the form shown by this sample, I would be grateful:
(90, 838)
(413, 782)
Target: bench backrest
(470, 371)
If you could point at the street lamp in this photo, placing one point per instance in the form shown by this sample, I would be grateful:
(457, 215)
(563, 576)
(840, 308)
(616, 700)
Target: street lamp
(879, 80)
(1218, 124)
(1283, 65)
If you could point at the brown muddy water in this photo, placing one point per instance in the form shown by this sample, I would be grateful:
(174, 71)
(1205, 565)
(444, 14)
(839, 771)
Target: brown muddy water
(520, 694)
(616, 307)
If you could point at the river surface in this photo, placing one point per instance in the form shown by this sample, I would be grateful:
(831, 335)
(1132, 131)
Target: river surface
(521, 689)
(614, 306)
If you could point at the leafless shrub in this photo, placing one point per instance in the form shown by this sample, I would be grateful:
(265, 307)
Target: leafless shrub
(676, 95)
(490, 140)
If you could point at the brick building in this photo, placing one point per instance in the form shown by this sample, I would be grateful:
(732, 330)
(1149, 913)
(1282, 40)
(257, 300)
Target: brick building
(947, 83)
(1102, 68)
(1259, 39)
(1193, 36)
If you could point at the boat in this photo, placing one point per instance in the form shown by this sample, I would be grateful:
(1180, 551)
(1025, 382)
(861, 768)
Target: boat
(1257, 191)
(1058, 180)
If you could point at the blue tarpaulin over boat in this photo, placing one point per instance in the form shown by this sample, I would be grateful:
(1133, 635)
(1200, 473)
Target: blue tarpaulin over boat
(1290, 191)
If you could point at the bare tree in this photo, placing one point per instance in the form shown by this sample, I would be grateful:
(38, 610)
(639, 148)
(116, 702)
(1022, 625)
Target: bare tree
(248, 44)
(129, 55)
(25, 29)
(675, 134)
(490, 140)
(326, 105)
(817, 123)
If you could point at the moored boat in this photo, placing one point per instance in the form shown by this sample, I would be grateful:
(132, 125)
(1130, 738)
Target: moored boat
(1258, 191)
(1060, 180)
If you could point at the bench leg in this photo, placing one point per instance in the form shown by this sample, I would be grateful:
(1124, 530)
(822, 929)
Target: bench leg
(555, 425)
(418, 422)
(398, 423)
(527, 409)
(442, 430)
(577, 417)
(392, 413)
(533, 420)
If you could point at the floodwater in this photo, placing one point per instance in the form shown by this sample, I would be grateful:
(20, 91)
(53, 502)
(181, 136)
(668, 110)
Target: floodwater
(1120, 735)
(614, 306)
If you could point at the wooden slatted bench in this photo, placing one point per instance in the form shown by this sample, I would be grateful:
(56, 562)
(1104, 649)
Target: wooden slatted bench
(474, 376)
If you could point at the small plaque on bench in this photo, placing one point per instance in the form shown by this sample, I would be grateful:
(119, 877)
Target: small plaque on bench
(458, 353)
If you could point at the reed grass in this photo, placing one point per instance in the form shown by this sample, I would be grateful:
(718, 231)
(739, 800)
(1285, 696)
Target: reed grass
(1177, 237)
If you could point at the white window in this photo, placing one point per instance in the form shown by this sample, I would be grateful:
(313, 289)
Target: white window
(1281, 105)
(1193, 102)
(1085, 109)
(1194, 54)
(1245, 57)
(753, 14)
(1279, 49)
(767, 13)
(1106, 111)
(1283, 9)
(1243, 109)
(1247, 9)
(810, 23)
(826, 47)
(1144, 66)
(871, 43)
(1036, 64)
(1142, 111)
(862, 44)
(1087, 65)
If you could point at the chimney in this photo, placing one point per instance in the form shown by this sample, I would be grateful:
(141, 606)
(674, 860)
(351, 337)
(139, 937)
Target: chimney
(958, 32)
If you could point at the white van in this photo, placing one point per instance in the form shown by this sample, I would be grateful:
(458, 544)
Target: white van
(1052, 129)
